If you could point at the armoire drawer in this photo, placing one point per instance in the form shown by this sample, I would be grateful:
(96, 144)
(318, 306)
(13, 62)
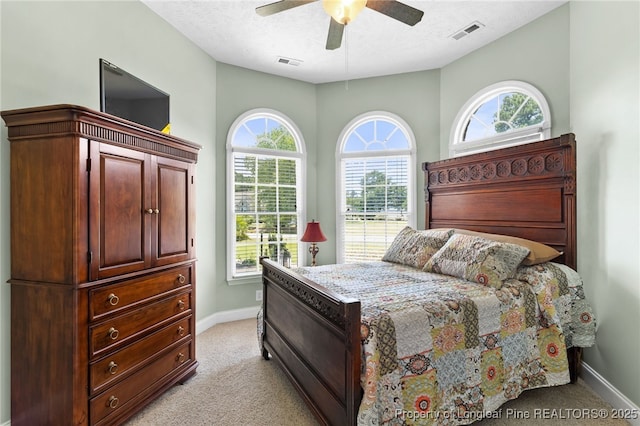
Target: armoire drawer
(116, 297)
(124, 328)
(138, 386)
(126, 360)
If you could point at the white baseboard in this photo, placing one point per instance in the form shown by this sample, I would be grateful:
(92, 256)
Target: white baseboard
(226, 316)
(610, 394)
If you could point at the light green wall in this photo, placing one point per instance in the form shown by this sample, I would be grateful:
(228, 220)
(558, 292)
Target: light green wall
(605, 116)
(537, 53)
(238, 91)
(50, 53)
(414, 97)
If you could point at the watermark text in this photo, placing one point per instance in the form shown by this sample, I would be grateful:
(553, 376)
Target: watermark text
(537, 413)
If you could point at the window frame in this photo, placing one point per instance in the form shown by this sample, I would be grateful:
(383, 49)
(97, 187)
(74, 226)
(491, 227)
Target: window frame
(341, 156)
(536, 132)
(231, 149)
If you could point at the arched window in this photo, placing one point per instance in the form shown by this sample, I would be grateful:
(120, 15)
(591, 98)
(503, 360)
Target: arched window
(504, 114)
(265, 156)
(376, 185)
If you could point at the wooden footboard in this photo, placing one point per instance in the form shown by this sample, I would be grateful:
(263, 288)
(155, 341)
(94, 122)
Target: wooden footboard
(314, 335)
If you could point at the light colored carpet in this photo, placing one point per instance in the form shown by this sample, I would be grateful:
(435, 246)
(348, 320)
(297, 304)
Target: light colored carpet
(235, 386)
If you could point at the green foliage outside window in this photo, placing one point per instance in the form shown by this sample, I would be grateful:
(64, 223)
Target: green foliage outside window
(242, 226)
(379, 194)
(517, 110)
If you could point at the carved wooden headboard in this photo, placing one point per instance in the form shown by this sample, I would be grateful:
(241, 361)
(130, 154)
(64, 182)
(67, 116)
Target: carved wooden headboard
(526, 191)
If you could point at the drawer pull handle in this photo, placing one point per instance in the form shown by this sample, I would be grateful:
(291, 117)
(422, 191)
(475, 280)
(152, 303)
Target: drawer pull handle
(157, 211)
(113, 333)
(113, 367)
(181, 279)
(150, 211)
(181, 331)
(113, 402)
(180, 358)
(181, 304)
(113, 299)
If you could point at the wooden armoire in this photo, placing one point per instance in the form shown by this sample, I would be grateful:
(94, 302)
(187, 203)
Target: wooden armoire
(102, 265)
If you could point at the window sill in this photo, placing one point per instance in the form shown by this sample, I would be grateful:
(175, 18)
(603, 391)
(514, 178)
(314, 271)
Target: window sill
(252, 279)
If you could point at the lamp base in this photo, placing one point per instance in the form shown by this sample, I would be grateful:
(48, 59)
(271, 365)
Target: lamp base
(313, 249)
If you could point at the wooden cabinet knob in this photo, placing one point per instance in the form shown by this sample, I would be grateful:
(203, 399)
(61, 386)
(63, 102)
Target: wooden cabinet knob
(150, 211)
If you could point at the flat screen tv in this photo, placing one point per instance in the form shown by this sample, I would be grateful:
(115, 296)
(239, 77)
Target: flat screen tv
(126, 96)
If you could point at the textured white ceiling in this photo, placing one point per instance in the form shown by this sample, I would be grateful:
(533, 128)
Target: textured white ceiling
(373, 45)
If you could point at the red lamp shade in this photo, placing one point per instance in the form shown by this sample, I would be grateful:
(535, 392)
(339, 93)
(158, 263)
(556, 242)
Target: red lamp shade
(313, 233)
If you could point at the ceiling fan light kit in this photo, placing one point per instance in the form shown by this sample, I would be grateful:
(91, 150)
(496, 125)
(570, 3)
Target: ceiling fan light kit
(343, 12)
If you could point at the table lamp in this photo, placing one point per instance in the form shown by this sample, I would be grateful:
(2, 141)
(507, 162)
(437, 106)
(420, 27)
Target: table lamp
(313, 234)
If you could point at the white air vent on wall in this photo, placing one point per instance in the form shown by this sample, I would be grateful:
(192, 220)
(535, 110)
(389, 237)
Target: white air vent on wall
(467, 30)
(288, 61)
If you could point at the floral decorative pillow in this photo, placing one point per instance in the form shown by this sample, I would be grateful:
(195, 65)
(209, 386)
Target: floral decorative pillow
(477, 259)
(414, 248)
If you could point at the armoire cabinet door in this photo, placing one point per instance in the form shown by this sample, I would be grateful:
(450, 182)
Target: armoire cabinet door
(173, 236)
(122, 208)
(141, 211)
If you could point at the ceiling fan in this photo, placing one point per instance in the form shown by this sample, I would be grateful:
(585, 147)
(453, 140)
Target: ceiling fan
(344, 11)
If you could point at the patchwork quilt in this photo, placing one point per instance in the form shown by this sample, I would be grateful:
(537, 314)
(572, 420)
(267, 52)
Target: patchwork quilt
(443, 350)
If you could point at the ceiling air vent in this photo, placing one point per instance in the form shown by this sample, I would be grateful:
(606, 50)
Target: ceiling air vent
(467, 30)
(288, 61)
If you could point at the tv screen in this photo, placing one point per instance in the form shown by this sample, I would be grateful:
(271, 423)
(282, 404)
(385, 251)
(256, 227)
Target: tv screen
(126, 96)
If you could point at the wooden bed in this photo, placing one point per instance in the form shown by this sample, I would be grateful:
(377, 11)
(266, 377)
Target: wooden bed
(526, 191)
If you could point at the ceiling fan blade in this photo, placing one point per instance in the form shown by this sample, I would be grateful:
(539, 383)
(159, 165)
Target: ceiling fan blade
(334, 38)
(396, 10)
(279, 6)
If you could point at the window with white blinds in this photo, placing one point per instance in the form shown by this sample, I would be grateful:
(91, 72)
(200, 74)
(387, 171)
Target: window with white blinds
(265, 160)
(376, 185)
